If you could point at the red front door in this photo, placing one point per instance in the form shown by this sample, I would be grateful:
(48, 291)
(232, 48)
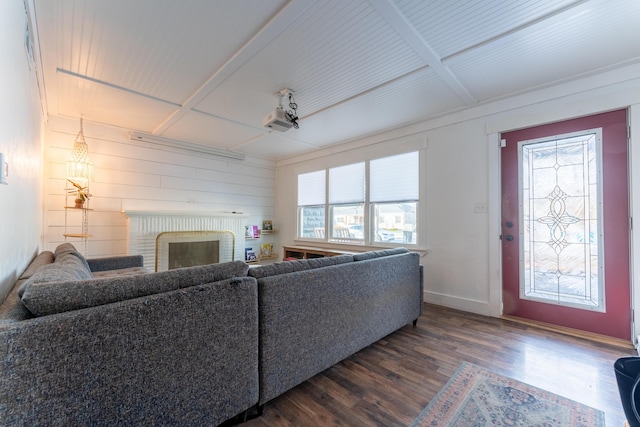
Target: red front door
(559, 229)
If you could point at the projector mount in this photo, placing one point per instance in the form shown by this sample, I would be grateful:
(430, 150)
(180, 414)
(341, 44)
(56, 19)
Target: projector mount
(292, 115)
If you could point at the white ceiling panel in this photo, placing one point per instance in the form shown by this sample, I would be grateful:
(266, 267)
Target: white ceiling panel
(402, 101)
(247, 103)
(164, 48)
(103, 104)
(274, 146)
(593, 36)
(453, 26)
(326, 56)
(211, 131)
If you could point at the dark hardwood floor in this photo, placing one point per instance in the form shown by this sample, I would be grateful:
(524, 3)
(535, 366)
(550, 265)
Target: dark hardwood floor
(391, 381)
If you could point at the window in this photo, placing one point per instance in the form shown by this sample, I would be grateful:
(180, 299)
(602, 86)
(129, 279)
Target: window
(366, 203)
(561, 220)
(394, 198)
(346, 203)
(311, 204)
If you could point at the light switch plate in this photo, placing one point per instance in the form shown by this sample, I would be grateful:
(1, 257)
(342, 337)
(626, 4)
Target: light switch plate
(480, 207)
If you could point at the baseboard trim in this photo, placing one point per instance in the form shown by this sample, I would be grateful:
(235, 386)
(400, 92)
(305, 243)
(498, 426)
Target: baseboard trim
(604, 339)
(464, 304)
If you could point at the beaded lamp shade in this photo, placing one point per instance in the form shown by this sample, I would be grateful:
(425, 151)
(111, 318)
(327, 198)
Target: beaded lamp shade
(79, 166)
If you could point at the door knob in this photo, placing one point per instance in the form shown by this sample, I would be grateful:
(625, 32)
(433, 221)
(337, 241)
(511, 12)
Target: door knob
(509, 237)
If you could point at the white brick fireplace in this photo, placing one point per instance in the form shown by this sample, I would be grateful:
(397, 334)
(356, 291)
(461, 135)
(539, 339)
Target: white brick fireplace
(144, 227)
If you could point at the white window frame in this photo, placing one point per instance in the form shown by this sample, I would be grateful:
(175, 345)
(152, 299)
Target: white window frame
(368, 226)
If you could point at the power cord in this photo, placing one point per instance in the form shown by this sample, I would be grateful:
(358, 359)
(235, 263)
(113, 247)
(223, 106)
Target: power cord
(292, 115)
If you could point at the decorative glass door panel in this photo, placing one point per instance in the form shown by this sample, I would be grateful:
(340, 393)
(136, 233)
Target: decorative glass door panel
(561, 234)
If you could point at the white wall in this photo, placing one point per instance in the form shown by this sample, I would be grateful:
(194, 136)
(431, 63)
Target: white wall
(462, 266)
(21, 143)
(139, 176)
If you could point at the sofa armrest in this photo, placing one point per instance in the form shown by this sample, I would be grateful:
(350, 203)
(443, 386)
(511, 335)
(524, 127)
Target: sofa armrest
(115, 262)
(185, 357)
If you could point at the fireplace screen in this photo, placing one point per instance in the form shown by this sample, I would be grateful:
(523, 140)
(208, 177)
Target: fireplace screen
(186, 254)
(188, 248)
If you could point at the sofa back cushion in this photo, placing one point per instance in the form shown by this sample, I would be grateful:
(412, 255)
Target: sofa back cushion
(377, 254)
(67, 266)
(64, 250)
(283, 267)
(43, 298)
(43, 258)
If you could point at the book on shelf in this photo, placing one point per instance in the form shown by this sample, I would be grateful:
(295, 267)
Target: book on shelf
(266, 250)
(251, 231)
(250, 254)
(267, 225)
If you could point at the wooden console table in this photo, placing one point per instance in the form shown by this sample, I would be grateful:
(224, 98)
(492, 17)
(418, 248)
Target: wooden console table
(306, 252)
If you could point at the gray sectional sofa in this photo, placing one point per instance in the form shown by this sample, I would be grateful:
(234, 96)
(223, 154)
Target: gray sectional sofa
(102, 342)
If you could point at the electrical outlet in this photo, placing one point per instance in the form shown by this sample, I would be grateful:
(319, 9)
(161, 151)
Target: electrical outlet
(480, 207)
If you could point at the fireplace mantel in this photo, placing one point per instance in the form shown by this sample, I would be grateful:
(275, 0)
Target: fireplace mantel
(144, 227)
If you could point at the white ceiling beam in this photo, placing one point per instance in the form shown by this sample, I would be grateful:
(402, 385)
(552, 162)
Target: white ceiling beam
(259, 41)
(394, 17)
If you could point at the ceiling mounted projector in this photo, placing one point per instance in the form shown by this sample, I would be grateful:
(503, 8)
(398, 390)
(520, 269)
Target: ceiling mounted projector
(277, 120)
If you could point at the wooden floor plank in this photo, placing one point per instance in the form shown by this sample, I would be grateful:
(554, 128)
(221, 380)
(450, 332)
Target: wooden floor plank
(391, 381)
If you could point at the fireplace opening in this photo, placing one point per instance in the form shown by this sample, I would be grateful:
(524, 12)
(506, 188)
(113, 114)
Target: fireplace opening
(178, 249)
(187, 254)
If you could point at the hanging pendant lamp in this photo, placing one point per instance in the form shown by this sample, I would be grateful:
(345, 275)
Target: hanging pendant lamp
(79, 166)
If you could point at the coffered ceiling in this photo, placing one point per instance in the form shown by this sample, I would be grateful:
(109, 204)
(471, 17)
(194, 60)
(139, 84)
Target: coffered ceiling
(207, 71)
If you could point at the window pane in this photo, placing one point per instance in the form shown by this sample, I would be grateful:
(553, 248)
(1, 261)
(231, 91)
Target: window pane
(347, 223)
(560, 221)
(395, 178)
(311, 220)
(312, 188)
(395, 222)
(346, 184)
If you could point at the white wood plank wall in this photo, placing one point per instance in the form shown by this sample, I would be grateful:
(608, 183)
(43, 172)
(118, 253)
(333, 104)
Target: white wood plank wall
(134, 175)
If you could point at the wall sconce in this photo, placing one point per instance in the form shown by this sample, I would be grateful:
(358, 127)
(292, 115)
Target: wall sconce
(79, 166)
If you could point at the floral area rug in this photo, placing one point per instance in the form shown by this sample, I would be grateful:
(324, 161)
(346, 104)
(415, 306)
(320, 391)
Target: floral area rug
(477, 397)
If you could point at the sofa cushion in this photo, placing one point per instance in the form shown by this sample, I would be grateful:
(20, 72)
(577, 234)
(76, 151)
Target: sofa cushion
(43, 258)
(377, 254)
(330, 260)
(121, 272)
(48, 298)
(277, 268)
(299, 265)
(64, 250)
(66, 267)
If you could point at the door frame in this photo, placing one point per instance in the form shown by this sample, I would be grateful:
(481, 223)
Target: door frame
(495, 202)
